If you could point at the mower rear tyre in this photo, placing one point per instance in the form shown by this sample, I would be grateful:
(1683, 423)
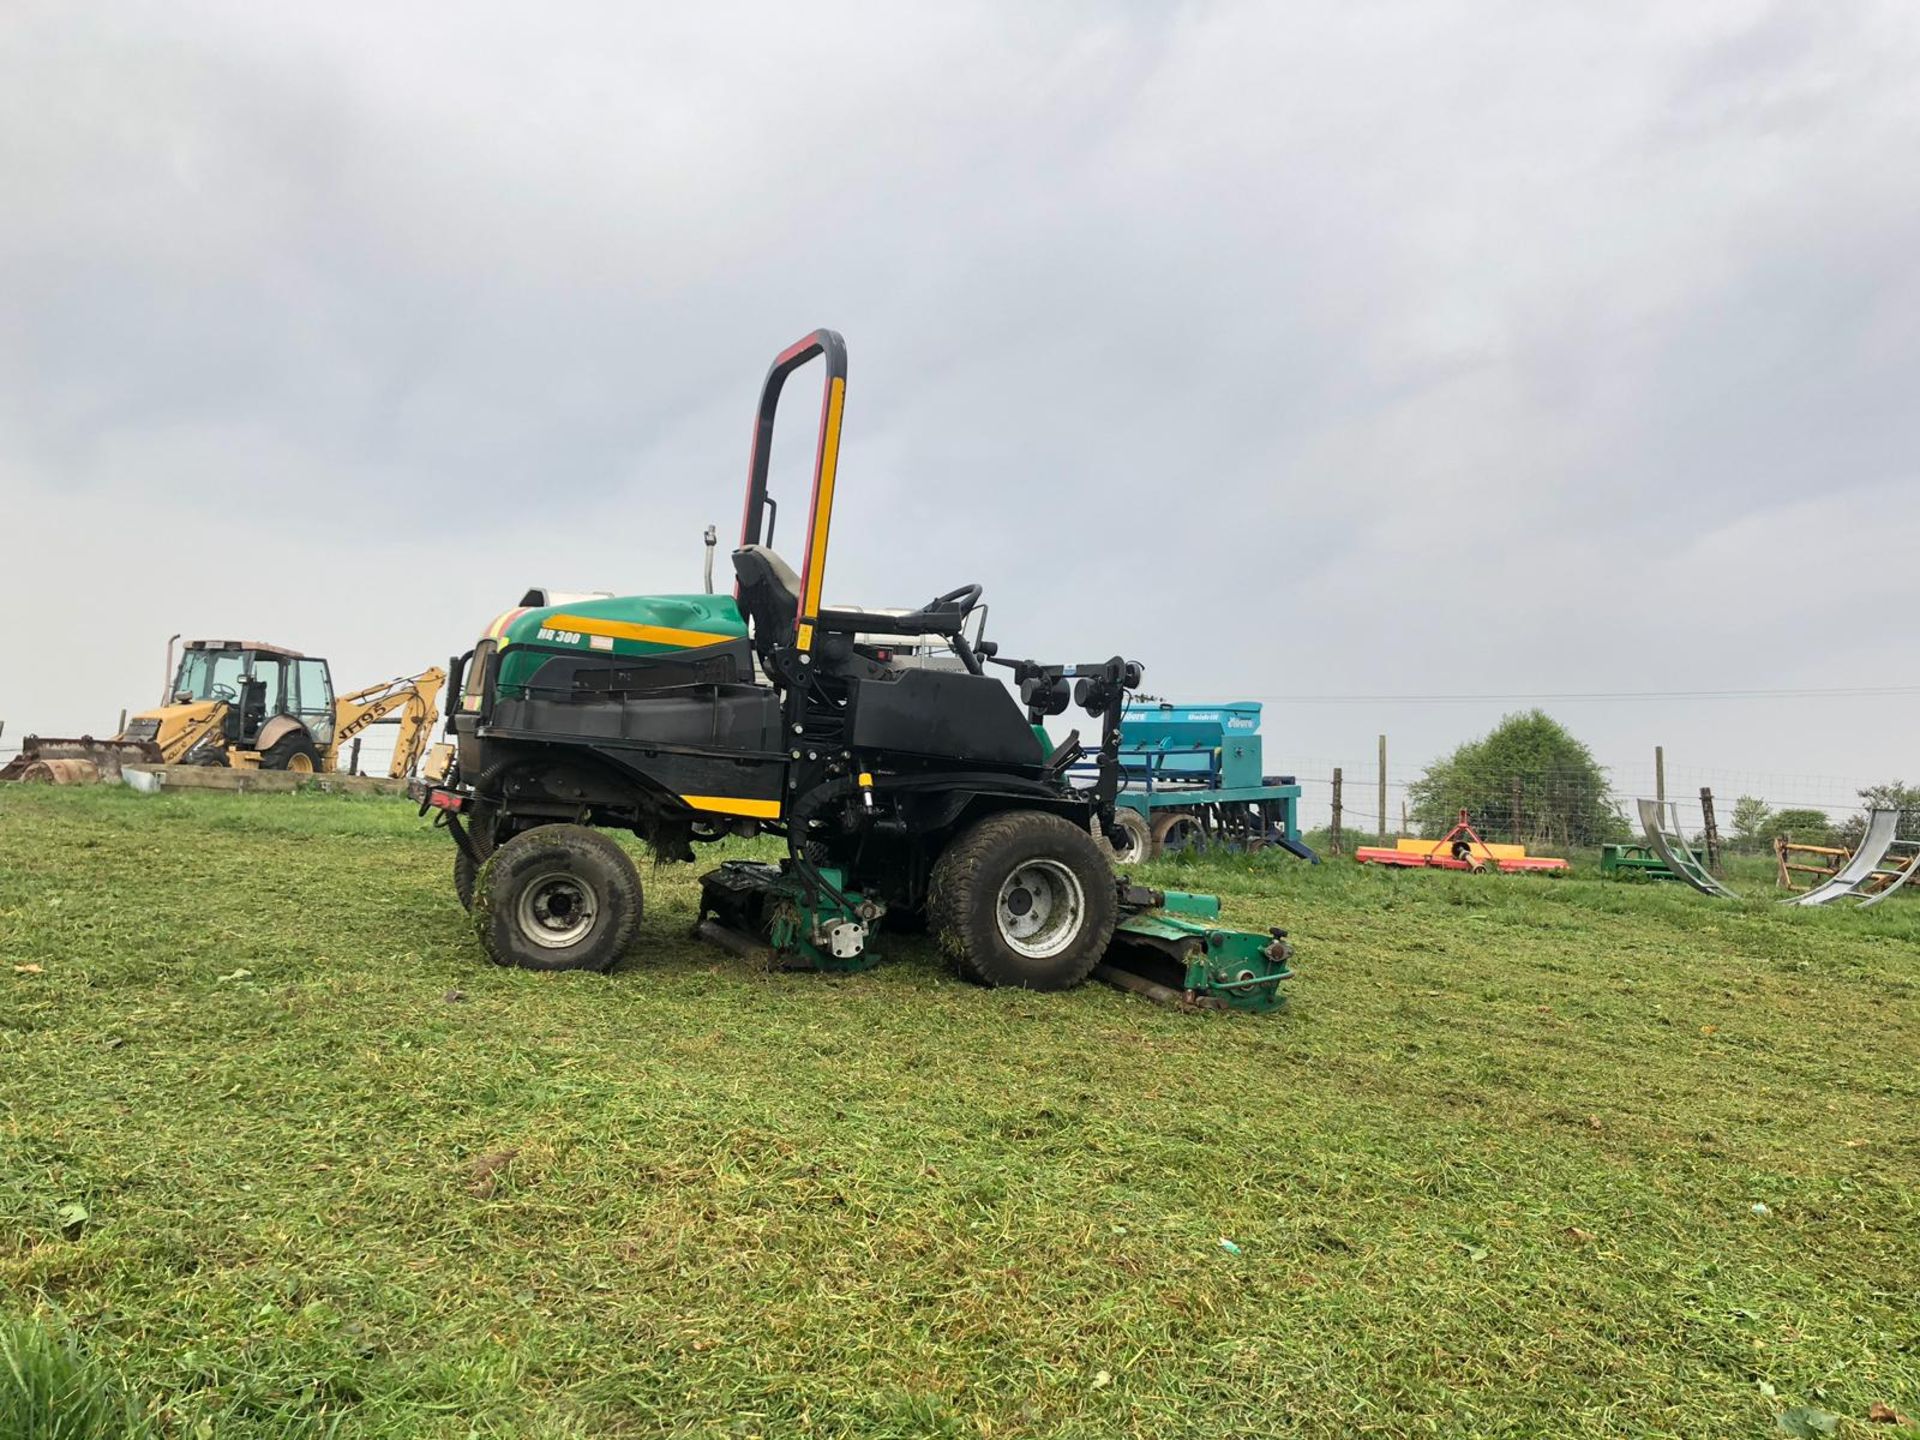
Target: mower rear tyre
(1023, 899)
(465, 872)
(557, 897)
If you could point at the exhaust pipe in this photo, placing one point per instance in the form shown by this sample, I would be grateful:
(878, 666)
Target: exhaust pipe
(166, 692)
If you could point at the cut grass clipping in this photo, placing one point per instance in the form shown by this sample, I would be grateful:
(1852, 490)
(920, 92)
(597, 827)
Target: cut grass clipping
(286, 1157)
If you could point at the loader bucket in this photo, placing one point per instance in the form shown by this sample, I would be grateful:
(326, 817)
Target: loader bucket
(85, 761)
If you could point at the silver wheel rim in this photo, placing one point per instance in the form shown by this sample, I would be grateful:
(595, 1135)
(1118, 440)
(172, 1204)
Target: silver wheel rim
(1129, 842)
(1041, 909)
(557, 910)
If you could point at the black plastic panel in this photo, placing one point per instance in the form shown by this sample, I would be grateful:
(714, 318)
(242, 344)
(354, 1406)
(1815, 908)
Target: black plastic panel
(944, 715)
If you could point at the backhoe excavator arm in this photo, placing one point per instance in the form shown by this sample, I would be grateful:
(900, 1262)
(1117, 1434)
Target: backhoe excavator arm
(416, 700)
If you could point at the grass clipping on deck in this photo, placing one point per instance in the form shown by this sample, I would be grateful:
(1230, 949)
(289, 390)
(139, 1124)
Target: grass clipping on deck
(285, 1157)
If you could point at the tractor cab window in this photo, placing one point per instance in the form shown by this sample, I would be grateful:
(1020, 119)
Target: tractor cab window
(267, 671)
(312, 699)
(474, 696)
(210, 675)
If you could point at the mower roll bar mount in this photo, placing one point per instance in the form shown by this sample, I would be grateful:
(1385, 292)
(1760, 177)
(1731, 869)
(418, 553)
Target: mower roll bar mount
(944, 615)
(822, 343)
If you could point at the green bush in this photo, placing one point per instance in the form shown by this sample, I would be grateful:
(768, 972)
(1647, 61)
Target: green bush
(1527, 780)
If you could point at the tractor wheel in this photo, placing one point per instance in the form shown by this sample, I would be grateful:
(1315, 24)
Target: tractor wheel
(1175, 832)
(465, 872)
(293, 752)
(1130, 839)
(557, 897)
(1024, 899)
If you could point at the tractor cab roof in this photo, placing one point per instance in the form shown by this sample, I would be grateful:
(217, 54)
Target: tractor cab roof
(257, 646)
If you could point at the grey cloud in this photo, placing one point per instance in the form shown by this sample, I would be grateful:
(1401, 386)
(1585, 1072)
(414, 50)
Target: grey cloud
(1294, 349)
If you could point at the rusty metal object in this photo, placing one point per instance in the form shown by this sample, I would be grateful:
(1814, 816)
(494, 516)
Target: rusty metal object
(1153, 990)
(81, 761)
(60, 772)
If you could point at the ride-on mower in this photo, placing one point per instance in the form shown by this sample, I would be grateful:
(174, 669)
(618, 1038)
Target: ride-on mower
(905, 792)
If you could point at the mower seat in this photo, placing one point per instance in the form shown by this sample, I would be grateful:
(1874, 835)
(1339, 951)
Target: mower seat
(769, 597)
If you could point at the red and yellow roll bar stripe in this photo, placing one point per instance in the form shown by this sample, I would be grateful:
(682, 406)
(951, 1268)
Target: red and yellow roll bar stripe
(833, 395)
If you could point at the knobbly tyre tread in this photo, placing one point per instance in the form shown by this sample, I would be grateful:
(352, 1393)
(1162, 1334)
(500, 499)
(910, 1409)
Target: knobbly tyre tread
(965, 889)
(465, 872)
(280, 754)
(590, 857)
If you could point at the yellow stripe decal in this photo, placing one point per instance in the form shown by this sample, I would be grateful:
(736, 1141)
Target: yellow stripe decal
(822, 518)
(626, 630)
(735, 805)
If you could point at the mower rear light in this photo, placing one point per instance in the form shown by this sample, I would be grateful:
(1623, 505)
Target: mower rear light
(447, 800)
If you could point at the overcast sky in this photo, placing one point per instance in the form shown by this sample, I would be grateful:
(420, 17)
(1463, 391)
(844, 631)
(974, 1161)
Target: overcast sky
(1295, 350)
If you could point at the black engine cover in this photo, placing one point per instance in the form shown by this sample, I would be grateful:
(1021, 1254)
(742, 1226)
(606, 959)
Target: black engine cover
(944, 715)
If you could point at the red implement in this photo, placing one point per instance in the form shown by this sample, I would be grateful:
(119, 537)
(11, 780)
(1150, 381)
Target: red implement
(1461, 848)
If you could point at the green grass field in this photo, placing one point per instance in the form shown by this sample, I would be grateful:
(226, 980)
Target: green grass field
(284, 1157)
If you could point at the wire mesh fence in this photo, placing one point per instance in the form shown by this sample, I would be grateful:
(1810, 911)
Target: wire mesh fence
(1743, 811)
(1735, 811)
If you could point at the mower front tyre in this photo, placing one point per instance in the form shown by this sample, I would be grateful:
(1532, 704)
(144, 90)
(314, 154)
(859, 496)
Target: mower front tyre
(557, 897)
(1023, 899)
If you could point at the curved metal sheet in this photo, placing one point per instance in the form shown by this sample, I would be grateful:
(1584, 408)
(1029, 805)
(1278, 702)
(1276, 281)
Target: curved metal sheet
(1672, 849)
(1913, 864)
(1882, 827)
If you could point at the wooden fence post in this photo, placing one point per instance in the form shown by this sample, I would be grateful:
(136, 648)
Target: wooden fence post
(1660, 773)
(1709, 831)
(1383, 788)
(1333, 831)
(353, 761)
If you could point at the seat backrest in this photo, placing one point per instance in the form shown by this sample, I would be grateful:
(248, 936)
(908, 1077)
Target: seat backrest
(769, 597)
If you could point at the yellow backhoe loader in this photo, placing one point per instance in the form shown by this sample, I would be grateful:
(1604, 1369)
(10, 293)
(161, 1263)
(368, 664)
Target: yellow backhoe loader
(246, 705)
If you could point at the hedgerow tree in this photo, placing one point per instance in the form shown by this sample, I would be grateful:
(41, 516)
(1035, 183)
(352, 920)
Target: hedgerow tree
(1751, 824)
(1809, 827)
(1528, 779)
(1891, 796)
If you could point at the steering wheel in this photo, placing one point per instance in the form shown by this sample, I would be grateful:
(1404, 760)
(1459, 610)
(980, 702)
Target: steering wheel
(965, 598)
(223, 692)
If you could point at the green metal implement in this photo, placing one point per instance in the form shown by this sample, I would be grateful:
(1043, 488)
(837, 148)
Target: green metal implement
(1161, 949)
(1621, 861)
(788, 918)
(1163, 944)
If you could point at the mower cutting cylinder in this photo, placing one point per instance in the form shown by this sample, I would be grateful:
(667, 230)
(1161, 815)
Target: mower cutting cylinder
(1163, 942)
(786, 917)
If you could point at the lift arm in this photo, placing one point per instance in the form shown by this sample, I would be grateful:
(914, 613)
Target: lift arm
(416, 699)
